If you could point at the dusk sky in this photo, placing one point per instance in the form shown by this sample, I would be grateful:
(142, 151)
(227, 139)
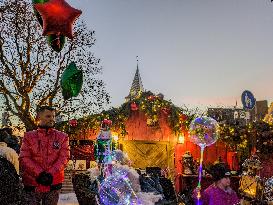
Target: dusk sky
(195, 52)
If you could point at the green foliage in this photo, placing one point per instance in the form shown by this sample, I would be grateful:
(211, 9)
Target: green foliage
(243, 138)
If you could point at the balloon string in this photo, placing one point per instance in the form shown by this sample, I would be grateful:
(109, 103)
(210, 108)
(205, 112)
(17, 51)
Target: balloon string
(69, 114)
(200, 174)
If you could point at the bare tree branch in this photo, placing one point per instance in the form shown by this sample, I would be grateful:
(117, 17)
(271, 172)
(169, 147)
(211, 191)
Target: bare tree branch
(31, 70)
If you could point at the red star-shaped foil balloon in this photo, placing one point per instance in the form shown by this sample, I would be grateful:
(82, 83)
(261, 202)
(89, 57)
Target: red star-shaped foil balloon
(58, 17)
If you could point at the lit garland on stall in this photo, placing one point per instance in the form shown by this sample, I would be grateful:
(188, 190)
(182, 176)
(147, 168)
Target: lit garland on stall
(237, 137)
(243, 138)
(153, 106)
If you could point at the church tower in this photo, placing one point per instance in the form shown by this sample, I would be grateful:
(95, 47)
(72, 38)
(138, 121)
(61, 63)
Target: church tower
(137, 87)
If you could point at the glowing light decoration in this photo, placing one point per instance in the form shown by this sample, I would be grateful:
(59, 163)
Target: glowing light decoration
(181, 139)
(116, 190)
(115, 136)
(104, 148)
(204, 131)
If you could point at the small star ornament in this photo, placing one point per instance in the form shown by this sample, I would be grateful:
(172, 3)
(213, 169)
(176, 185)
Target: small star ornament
(58, 17)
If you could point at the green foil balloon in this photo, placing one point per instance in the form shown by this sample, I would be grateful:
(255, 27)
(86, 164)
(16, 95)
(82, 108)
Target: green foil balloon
(55, 41)
(71, 81)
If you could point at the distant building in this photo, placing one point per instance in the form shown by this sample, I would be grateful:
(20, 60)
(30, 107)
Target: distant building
(240, 116)
(269, 117)
(260, 110)
(229, 115)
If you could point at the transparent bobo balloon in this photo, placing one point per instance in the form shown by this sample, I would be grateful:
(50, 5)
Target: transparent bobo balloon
(204, 131)
(116, 190)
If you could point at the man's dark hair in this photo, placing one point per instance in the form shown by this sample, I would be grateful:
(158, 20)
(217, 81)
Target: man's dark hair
(43, 108)
(8, 130)
(3, 135)
(219, 171)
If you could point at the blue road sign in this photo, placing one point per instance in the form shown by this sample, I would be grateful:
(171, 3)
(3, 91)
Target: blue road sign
(248, 100)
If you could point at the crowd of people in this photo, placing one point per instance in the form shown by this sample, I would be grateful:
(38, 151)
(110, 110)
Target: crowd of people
(35, 170)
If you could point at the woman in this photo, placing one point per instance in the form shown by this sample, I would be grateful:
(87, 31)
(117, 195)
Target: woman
(220, 192)
(8, 152)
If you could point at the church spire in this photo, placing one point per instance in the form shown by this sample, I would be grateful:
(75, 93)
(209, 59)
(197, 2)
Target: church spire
(137, 87)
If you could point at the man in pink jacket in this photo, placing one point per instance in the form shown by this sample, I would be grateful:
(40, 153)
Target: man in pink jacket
(43, 157)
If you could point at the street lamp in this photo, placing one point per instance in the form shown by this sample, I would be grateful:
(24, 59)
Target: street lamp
(115, 136)
(181, 139)
(115, 140)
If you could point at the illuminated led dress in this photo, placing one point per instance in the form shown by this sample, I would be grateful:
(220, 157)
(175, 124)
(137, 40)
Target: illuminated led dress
(103, 149)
